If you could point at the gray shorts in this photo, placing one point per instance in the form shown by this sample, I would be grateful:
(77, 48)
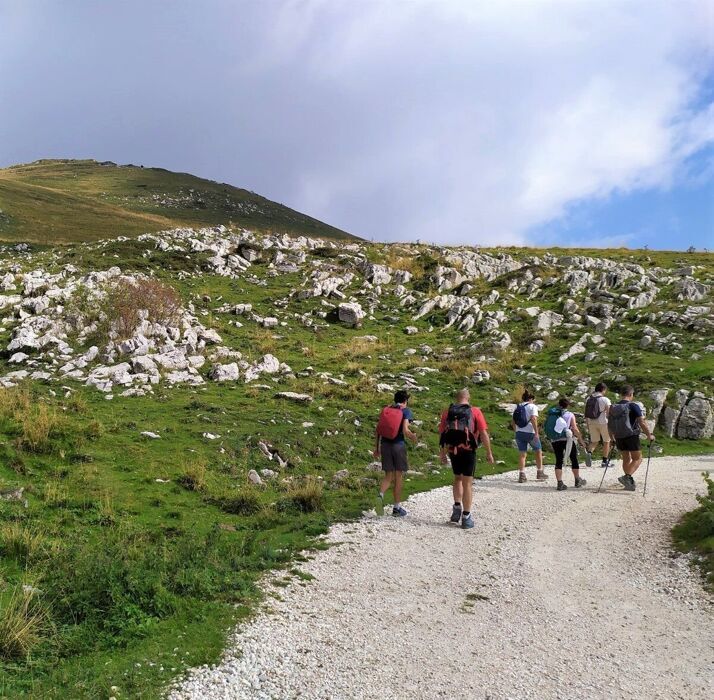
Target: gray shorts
(394, 456)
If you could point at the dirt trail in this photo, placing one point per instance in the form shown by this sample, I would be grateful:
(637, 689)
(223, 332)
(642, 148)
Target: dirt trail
(553, 595)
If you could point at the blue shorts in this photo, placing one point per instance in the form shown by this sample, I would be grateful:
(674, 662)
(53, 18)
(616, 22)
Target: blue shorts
(525, 439)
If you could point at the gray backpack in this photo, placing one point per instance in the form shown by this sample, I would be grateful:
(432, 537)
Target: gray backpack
(618, 422)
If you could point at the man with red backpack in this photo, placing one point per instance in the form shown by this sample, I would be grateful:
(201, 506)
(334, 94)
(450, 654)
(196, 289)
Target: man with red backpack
(392, 428)
(462, 429)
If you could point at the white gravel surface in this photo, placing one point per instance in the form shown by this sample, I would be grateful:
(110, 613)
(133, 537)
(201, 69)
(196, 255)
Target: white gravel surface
(571, 595)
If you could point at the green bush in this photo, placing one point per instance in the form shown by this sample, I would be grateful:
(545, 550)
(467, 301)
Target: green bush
(305, 498)
(695, 532)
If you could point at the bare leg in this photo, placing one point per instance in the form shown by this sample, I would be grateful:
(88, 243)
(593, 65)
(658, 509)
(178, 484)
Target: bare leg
(386, 482)
(467, 483)
(626, 461)
(521, 461)
(605, 449)
(539, 460)
(398, 486)
(457, 489)
(635, 461)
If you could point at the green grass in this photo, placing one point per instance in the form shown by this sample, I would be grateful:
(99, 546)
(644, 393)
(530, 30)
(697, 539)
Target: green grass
(63, 201)
(695, 532)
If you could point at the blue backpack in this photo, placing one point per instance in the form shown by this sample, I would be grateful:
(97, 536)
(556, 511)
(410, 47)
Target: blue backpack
(520, 416)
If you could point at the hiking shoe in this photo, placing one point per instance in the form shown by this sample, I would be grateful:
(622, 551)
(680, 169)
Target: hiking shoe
(588, 459)
(467, 522)
(398, 512)
(623, 479)
(605, 463)
(562, 486)
(522, 477)
(580, 483)
(541, 476)
(456, 514)
(630, 485)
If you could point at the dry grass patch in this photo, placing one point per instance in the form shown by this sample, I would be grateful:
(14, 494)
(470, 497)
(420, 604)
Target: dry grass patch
(194, 476)
(20, 542)
(40, 425)
(305, 497)
(22, 623)
(359, 347)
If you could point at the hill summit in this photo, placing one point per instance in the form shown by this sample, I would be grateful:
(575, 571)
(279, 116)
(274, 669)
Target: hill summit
(63, 201)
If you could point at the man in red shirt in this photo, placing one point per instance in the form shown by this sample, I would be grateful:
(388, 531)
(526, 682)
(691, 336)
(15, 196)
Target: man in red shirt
(462, 428)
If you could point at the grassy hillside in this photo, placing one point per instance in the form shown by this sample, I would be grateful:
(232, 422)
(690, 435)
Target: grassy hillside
(138, 553)
(62, 201)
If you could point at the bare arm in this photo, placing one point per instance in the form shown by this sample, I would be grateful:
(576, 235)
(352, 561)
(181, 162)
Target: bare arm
(486, 440)
(407, 432)
(534, 423)
(377, 445)
(576, 432)
(645, 428)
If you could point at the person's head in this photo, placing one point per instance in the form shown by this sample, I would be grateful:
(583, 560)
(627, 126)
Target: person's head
(463, 396)
(401, 397)
(528, 396)
(563, 402)
(627, 391)
(601, 388)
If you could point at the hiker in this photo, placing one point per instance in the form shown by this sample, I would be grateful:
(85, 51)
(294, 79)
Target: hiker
(597, 408)
(525, 423)
(462, 429)
(561, 427)
(392, 428)
(625, 422)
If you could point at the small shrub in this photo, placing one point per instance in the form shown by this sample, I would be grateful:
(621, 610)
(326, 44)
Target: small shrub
(41, 425)
(243, 502)
(94, 429)
(77, 404)
(194, 478)
(20, 542)
(695, 531)
(125, 300)
(23, 621)
(15, 402)
(55, 494)
(305, 498)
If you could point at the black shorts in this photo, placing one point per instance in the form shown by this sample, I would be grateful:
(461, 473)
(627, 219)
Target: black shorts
(394, 456)
(628, 444)
(463, 463)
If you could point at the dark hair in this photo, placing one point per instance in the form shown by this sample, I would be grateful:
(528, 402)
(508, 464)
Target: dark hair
(527, 396)
(627, 390)
(563, 402)
(401, 396)
(600, 387)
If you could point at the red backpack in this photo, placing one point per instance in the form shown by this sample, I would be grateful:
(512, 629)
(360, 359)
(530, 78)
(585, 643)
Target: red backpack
(390, 420)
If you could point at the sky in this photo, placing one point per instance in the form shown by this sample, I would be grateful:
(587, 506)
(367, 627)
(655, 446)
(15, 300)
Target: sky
(525, 122)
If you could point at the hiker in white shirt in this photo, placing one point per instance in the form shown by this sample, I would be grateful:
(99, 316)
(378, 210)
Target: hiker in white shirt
(597, 409)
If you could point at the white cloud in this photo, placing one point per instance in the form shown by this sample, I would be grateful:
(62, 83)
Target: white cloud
(476, 121)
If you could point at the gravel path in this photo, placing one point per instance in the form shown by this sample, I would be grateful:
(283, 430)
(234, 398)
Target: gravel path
(553, 595)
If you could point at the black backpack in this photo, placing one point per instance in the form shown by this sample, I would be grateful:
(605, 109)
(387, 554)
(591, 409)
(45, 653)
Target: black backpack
(592, 407)
(618, 422)
(460, 428)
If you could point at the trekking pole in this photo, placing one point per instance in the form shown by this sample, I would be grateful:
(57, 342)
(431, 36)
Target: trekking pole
(647, 469)
(607, 466)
